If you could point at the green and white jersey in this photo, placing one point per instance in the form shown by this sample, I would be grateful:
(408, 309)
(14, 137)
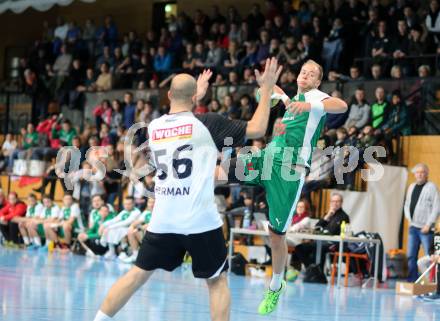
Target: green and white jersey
(124, 218)
(50, 212)
(299, 132)
(67, 212)
(34, 211)
(145, 216)
(94, 218)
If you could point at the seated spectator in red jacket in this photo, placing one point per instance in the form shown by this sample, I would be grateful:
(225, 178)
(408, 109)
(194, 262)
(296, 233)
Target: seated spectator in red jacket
(13, 209)
(103, 113)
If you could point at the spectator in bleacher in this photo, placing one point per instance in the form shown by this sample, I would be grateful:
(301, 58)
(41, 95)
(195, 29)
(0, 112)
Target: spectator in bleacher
(432, 21)
(416, 45)
(117, 116)
(9, 215)
(382, 43)
(33, 210)
(65, 134)
(61, 66)
(105, 57)
(136, 232)
(359, 114)
(401, 41)
(333, 45)
(398, 122)
(35, 228)
(330, 224)
(422, 207)
(76, 85)
(105, 137)
(376, 72)
(189, 58)
(104, 82)
(60, 31)
(232, 56)
(379, 109)
(69, 221)
(73, 33)
(29, 140)
(214, 56)
(8, 147)
(162, 61)
(289, 52)
(108, 33)
(129, 110)
(103, 113)
(90, 240)
(396, 72)
(255, 19)
(113, 231)
(424, 71)
(263, 47)
(250, 57)
(341, 137)
(37, 90)
(88, 35)
(89, 81)
(366, 137)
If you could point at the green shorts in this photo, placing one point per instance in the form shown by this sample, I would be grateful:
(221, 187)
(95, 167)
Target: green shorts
(283, 187)
(40, 231)
(75, 227)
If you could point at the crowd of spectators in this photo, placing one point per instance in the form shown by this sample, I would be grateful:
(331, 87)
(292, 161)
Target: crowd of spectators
(94, 57)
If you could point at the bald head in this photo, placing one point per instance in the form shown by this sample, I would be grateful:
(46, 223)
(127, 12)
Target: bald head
(182, 90)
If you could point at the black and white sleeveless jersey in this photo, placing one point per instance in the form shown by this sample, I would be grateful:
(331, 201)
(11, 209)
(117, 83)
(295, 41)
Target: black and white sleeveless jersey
(184, 150)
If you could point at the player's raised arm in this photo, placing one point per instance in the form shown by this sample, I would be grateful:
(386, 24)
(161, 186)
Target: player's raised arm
(331, 105)
(334, 105)
(257, 126)
(203, 83)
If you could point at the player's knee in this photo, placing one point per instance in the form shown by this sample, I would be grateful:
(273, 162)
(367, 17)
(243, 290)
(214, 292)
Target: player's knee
(219, 281)
(67, 227)
(277, 240)
(131, 232)
(82, 237)
(137, 276)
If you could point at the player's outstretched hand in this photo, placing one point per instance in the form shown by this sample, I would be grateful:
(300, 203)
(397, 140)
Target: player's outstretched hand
(298, 107)
(270, 76)
(203, 83)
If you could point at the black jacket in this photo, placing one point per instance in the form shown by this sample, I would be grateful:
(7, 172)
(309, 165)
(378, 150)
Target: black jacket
(333, 226)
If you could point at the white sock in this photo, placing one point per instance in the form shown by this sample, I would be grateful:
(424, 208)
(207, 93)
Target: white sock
(37, 240)
(26, 240)
(275, 283)
(135, 253)
(101, 316)
(111, 248)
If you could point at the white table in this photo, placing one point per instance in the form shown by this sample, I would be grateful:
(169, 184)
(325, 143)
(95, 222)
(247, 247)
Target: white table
(319, 238)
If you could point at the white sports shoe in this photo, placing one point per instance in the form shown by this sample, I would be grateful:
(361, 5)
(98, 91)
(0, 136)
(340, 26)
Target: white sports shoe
(89, 253)
(122, 256)
(110, 256)
(129, 259)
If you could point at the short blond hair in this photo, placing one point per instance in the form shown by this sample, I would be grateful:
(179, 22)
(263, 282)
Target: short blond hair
(313, 62)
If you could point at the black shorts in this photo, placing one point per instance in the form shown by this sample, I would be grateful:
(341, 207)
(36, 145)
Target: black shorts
(166, 251)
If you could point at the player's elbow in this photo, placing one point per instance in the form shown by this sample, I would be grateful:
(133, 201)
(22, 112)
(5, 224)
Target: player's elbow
(254, 130)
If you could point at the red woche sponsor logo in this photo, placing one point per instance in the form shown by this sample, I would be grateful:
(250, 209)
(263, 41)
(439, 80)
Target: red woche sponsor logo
(164, 133)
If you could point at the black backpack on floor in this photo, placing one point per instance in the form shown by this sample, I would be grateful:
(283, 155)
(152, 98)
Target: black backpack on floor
(314, 274)
(238, 264)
